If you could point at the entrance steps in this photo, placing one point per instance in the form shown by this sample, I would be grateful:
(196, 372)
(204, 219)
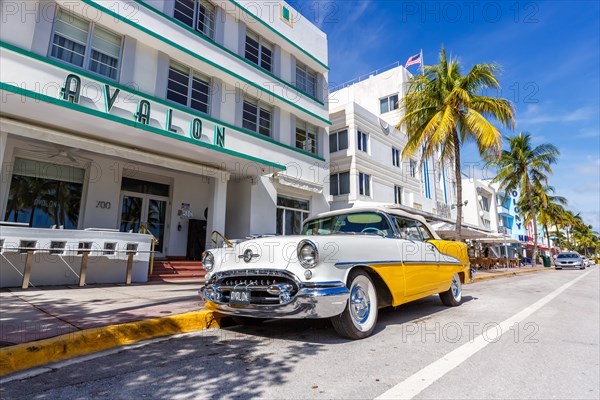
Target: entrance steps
(170, 271)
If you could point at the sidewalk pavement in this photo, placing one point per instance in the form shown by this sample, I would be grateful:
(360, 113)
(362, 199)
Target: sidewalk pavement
(39, 313)
(483, 274)
(48, 324)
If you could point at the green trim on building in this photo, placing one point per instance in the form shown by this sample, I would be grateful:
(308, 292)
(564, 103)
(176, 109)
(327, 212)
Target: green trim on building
(90, 75)
(199, 57)
(73, 106)
(280, 34)
(226, 50)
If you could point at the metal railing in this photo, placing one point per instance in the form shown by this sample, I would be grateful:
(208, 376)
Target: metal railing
(214, 237)
(144, 229)
(83, 252)
(364, 76)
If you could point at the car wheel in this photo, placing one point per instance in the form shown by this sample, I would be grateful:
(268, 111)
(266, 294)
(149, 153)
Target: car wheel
(582, 267)
(360, 315)
(453, 296)
(248, 321)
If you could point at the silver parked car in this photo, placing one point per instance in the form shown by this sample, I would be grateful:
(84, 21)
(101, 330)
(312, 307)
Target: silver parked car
(586, 261)
(569, 260)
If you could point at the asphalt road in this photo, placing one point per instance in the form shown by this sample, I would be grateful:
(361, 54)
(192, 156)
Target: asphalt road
(530, 336)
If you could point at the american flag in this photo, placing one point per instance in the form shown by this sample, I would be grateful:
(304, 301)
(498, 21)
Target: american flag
(416, 59)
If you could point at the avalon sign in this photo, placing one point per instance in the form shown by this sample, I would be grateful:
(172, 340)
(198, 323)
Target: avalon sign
(71, 92)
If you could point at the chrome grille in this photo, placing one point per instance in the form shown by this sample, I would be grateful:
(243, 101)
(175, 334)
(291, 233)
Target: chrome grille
(257, 285)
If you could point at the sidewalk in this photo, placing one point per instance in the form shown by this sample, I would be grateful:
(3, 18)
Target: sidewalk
(483, 274)
(39, 313)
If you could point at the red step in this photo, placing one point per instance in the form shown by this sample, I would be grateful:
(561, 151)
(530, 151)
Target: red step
(167, 271)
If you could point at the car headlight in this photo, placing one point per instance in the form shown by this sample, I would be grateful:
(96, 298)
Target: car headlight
(208, 261)
(308, 255)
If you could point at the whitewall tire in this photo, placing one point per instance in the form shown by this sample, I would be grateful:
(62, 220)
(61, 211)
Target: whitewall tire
(360, 315)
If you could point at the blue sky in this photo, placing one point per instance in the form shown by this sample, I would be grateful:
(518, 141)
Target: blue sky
(549, 52)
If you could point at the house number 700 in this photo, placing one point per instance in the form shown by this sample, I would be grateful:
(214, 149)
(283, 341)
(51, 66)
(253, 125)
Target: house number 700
(103, 204)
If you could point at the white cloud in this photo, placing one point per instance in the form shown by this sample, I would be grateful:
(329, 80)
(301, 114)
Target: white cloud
(533, 116)
(592, 167)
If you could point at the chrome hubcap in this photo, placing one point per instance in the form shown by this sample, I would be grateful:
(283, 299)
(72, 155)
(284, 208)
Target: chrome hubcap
(360, 306)
(455, 287)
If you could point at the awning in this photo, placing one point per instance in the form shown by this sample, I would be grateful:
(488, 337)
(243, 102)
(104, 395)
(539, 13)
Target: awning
(506, 240)
(539, 246)
(297, 183)
(448, 231)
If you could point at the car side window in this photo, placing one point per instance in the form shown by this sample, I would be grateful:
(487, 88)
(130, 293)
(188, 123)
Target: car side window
(408, 229)
(425, 232)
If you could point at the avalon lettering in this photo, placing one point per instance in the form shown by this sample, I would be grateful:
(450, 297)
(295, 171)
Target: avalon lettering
(71, 92)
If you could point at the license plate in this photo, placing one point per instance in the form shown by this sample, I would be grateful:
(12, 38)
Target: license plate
(239, 297)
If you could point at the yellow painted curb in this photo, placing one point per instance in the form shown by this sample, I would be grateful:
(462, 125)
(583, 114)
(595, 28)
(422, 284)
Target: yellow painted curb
(34, 354)
(509, 273)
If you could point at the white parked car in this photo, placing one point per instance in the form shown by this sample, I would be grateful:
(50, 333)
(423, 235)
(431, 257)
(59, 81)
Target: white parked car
(569, 260)
(345, 266)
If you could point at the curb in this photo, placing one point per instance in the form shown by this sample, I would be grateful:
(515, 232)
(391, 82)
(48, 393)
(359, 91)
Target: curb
(509, 273)
(34, 354)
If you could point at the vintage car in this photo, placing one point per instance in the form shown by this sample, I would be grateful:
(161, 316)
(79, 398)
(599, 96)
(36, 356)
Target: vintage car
(345, 266)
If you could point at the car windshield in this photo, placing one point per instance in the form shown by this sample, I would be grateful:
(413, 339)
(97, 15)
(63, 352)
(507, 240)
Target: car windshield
(355, 223)
(567, 256)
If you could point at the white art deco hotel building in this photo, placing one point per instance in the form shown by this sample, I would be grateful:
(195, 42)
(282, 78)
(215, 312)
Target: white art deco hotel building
(182, 116)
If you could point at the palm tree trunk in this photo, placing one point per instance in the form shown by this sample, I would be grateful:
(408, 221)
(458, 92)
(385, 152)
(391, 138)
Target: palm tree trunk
(548, 238)
(457, 176)
(534, 221)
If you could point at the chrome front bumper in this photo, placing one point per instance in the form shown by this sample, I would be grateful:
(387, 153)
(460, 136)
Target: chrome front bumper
(313, 300)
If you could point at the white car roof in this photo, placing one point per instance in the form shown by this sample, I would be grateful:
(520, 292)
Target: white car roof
(385, 209)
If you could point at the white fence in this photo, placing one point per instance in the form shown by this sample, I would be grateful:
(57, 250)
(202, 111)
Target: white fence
(43, 257)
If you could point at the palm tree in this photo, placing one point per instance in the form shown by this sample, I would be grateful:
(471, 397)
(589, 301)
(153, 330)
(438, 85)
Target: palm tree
(526, 168)
(549, 206)
(444, 109)
(570, 223)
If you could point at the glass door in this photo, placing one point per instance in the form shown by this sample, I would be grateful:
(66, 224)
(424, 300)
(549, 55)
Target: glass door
(156, 212)
(147, 210)
(131, 212)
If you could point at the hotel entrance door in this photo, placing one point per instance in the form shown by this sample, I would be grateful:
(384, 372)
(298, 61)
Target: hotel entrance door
(145, 206)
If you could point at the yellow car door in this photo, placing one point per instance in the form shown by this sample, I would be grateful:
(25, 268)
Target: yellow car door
(421, 269)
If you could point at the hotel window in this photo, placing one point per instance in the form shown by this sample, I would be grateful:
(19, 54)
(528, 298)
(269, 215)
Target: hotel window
(339, 184)
(291, 213)
(398, 194)
(45, 195)
(395, 157)
(306, 136)
(306, 79)
(364, 184)
(259, 51)
(198, 15)
(388, 104)
(413, 168)
(485, 203)
(363, 141)
(338, 141)
(189, 88)
(85, 45)
(257, 116)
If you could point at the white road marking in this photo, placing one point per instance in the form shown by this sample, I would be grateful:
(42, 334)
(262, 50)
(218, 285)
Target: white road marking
(424, 378)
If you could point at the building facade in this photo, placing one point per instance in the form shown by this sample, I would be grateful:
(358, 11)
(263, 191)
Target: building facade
(366, 150)
(481, 208)
(184, 117)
